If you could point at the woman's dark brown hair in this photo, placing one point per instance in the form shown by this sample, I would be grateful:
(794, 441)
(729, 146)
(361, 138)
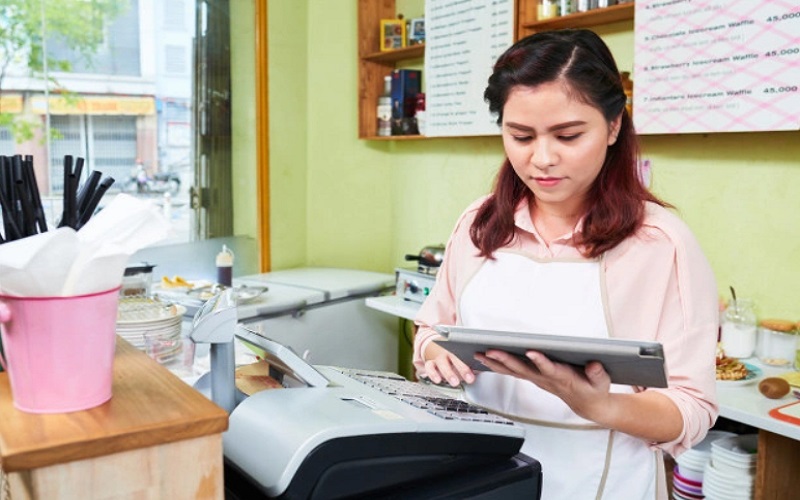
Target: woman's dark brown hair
(582, 61)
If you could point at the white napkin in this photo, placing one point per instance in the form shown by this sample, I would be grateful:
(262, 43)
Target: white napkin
(37, 266)
(65, 263)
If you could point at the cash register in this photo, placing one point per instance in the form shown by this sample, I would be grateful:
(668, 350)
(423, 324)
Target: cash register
(333, 432)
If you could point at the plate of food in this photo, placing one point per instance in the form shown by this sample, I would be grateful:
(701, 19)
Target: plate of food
(734, 372)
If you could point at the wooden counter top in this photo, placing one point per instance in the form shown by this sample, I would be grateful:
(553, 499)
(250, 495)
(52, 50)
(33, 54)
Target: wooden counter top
(149, 406)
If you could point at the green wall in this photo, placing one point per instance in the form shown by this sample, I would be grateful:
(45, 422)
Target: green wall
(289, 132)
(243, 112)
(339, 201)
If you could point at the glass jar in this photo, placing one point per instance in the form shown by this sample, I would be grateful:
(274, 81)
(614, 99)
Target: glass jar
(739, 329)
(777, 340)
(547, 9)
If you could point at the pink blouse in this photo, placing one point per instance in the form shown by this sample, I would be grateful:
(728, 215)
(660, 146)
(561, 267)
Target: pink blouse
(658, 285)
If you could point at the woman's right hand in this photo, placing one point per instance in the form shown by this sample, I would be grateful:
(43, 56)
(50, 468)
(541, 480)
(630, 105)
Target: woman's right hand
(441, 365)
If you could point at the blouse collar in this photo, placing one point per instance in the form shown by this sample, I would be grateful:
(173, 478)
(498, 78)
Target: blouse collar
(522, 219)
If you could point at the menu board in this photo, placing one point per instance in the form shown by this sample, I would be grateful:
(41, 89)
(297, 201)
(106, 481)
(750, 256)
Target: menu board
(463, 40)
(716, 66)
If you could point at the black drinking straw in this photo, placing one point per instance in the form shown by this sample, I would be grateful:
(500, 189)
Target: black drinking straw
(12, 230)
(4, 195)
(67, 218)
(33, 190)
(13, 198)
(86, 192)
(78, 171)
(26, 218)
(95, 200)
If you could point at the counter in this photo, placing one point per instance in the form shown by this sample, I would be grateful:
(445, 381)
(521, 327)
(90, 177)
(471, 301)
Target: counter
(394, 305)
(778, 441)
(155, 438)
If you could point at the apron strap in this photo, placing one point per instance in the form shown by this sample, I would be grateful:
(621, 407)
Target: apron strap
(533, 421)
(661, 476)
(606, 465)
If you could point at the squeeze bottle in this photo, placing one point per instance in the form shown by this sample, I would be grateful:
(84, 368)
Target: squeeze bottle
(225, 266)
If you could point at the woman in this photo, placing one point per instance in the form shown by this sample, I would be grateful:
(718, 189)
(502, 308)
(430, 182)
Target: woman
(571, 243)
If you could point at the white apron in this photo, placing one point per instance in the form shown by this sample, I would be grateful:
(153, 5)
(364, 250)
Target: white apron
(579, 459)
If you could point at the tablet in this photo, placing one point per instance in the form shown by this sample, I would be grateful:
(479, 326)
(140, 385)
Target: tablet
(628, 362)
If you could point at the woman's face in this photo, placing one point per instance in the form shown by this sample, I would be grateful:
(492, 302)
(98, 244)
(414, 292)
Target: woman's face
(556, 144)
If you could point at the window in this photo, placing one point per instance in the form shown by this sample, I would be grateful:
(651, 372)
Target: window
(118, 88)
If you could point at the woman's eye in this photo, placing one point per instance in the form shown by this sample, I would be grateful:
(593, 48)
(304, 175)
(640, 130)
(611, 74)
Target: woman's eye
(568, 138)
(521, 138)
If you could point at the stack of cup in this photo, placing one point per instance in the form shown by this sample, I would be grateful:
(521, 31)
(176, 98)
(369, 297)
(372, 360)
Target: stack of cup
(730, 473)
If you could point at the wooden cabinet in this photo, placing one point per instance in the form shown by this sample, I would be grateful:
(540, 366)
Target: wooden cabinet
(373, 64)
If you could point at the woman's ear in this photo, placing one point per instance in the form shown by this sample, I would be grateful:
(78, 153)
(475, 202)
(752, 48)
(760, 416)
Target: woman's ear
(613, 129)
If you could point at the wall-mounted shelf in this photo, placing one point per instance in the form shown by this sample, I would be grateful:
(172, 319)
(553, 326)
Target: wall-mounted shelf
(413, 52)
(529, 24)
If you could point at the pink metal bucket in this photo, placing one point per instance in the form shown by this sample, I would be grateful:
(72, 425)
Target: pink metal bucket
(59, 350)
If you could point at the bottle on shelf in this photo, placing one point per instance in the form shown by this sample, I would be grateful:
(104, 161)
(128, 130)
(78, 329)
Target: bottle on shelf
(419, 113)
(384, 110)
(566, 7)
(547, 9)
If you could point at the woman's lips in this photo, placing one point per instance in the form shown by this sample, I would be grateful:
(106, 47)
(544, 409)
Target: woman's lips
(547, 181)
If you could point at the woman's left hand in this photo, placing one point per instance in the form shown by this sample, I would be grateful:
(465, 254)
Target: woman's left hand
(585, 391)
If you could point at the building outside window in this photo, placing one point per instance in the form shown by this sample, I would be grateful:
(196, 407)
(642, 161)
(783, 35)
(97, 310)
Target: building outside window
(125, 104)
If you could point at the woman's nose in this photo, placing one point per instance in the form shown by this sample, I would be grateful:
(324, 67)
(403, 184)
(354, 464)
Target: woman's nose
(544, 156)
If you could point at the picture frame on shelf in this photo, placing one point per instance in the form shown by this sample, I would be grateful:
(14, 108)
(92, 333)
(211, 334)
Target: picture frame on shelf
(416, 31)
(393, 34)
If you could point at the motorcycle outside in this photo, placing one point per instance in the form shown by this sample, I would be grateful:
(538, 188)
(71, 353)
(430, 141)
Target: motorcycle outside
(162, 182)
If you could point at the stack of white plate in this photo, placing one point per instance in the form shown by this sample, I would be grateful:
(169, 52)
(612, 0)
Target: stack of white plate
(687, 476)
(152, 326)
(730, 472)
